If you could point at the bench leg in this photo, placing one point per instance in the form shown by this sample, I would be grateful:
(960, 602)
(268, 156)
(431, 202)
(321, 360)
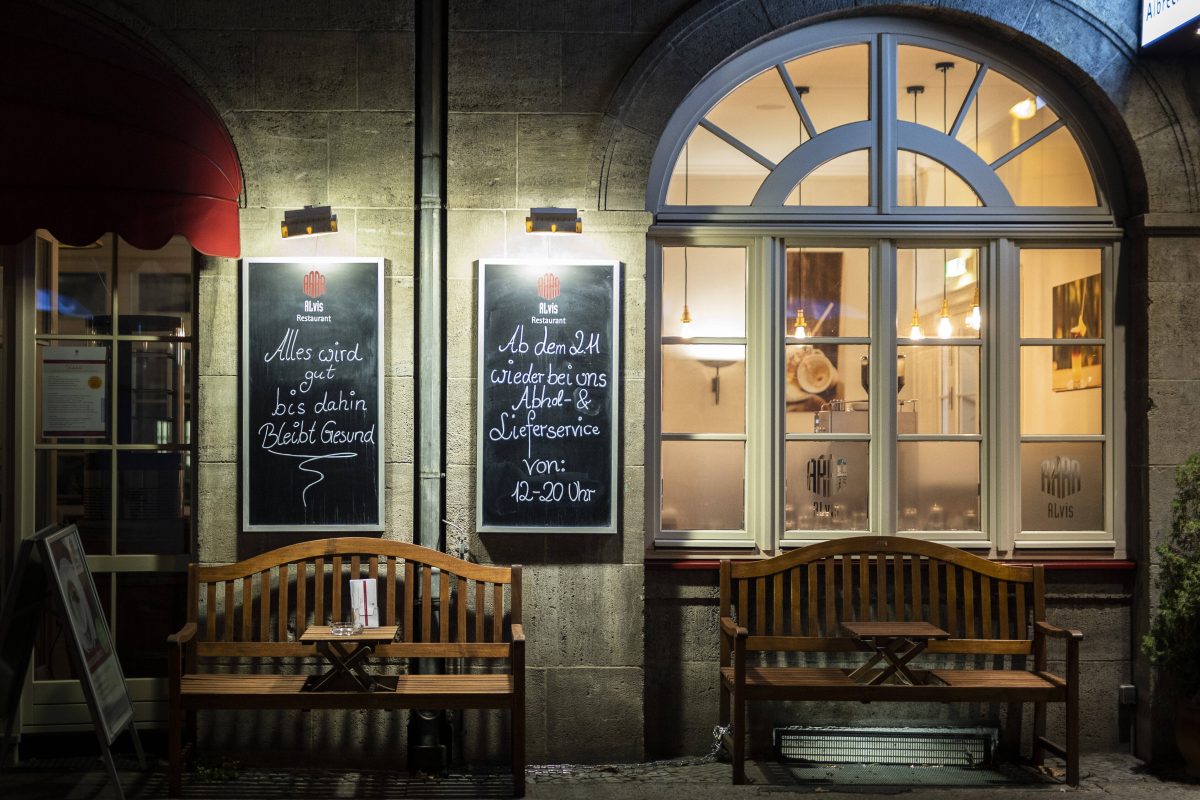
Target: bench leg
(1072, 744)
(1012, 730)
(175, 721)
(739, 737)
(1039, 731)
(723, 709)
(518, 748)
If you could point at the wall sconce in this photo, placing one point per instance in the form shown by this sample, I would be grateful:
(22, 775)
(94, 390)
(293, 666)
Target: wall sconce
(308, 221)
(717, 364)
(553, 220)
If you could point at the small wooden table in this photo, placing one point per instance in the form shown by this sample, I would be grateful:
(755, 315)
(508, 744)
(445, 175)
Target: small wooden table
(897, 643)
(346, 665)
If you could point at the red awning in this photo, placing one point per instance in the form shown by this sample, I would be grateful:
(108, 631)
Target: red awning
(98, 135)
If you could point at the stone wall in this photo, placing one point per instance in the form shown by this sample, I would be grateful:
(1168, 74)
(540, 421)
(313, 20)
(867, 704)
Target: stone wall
(563, 104)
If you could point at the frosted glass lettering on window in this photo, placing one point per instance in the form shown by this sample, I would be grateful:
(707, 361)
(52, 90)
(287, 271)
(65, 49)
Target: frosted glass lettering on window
(828, 486)
(1062, 486)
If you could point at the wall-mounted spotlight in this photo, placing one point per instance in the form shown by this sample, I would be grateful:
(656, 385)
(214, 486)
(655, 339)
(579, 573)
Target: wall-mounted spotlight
(308, 221)
(553, 220)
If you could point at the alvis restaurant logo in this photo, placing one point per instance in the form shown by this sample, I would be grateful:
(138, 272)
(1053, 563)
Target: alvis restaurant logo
(314, 284)
(1061, 478)
(549, 286)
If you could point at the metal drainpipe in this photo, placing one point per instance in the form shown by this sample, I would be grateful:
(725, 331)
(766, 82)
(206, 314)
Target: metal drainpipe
(428, 734)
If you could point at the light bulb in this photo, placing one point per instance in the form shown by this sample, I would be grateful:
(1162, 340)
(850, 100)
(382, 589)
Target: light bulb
(974, 319)
(915, 333)
(801, 331)
(1024, 109)
(685, 323)
(945, 328)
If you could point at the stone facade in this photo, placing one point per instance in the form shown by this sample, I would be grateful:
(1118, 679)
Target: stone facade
(563, 104)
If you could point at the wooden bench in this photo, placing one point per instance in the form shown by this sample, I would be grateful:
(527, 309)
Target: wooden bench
(798, 601)
(258, 608)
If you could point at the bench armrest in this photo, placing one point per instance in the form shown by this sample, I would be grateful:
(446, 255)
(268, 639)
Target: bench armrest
(1055, 632)
(518, 632)
(183, 635)
(733, 630)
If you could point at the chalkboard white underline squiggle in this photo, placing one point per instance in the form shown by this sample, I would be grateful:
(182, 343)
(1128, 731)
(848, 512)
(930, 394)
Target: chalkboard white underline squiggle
(307, 459)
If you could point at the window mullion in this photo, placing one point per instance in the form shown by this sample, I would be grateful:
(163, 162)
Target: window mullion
(764, 414)
(883, 381)
(883, 105)
(1003, 411)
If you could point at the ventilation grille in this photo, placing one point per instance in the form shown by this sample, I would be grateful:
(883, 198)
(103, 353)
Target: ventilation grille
(941, 747)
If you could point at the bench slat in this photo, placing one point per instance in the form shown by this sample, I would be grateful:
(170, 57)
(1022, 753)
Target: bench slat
(830, 598)
(898, 586)
(302, 597)
(497, 612)
(794, 574)
(951, 601)
(777, 605)
(935, 596)
(812, 600)
(264, 605)
(426, 603)
(389, 589)
(847, 587)
(881, 596)
(337, 589)
(444, 617)
(985, 607)
(460, 599)
(319, 593)
(410, 586)
(285, 575)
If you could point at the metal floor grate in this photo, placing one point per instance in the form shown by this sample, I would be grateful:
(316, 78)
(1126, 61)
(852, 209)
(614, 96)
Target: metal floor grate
(939, 747)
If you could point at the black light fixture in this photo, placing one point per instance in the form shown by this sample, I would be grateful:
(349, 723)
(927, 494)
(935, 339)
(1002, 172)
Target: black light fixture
(553, 220)
(308, 221)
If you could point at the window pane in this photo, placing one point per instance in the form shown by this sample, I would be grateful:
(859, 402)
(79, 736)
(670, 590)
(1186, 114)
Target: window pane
(703, 388)
(151, 405)
(1061, 294)
(711, 172)
(949, 275)
(940, 388)
(828, 485)
(1060, 390)
(73, 391)
(149, 607)
(823, 389)
(938, 486)
(81, 289)
(156, 287)
(711, 282)
(760, 113)
(1052, 172)
(923, 181)
(841, 181)
(150, 503)
(1003, 115)
(917, 66)
(832, 286)
(72, 487)
(702, 485)
(837, 85)
(1062, 486)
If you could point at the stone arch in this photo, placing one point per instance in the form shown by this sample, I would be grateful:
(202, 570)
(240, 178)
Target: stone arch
(1142, 110)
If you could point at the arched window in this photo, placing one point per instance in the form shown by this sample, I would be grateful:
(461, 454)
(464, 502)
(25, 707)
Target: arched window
(884, 268)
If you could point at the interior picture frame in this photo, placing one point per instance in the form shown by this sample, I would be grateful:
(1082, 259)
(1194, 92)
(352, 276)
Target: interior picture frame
(1076, 314)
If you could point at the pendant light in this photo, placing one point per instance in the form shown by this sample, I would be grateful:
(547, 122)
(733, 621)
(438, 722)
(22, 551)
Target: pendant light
(945, 328)
(915, 333)
(975, 319)
(801, 329)
(685, 320)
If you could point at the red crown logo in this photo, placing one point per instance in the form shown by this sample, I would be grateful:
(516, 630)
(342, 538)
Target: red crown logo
(314, 284)
(548, 286)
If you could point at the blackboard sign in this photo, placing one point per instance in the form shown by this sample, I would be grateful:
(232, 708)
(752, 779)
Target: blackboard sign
(312, 394)
(549, 336)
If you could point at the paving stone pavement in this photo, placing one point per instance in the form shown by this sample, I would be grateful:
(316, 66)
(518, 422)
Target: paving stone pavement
(1113, 775)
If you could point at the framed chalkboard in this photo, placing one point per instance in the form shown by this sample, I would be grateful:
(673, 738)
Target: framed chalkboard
(549, 359)
(312, 394)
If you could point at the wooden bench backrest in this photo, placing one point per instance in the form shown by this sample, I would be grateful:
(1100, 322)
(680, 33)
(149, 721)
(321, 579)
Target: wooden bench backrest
(797, 601)
(260, 606)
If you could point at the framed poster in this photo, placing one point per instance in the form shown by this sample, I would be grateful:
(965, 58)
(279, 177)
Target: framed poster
(99, 670)
(548, 425)
(312, 394)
